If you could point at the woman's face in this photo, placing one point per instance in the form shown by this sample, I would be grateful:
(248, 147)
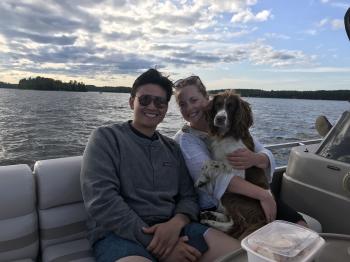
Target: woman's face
(192, 103)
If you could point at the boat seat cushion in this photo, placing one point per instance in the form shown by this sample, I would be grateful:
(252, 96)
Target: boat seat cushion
(19, 237)
(78, 250)
(58, 181)
(62, 224)
(62, 215)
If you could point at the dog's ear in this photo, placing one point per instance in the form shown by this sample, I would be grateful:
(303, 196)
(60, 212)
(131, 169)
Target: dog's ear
(243, 119)
(247, 114)
(210, 115)
(209, 106)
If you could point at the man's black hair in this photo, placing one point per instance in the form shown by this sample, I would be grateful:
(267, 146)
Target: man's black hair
(152, 76)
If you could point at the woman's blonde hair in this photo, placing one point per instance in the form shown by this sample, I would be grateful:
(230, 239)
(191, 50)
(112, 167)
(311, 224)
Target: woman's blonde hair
(191, 80)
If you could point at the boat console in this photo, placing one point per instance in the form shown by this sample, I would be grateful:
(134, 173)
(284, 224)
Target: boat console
(317, 183)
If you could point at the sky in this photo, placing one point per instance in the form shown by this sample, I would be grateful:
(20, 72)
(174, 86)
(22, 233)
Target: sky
(260, 44)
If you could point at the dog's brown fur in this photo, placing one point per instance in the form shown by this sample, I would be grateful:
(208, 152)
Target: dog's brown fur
(246, 212)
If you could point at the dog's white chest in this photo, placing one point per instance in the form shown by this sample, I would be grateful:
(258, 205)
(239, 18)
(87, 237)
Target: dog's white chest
(220, 148)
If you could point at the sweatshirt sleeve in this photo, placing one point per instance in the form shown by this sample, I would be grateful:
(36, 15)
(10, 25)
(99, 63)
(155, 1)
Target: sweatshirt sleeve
(101, 189)
(259, 148)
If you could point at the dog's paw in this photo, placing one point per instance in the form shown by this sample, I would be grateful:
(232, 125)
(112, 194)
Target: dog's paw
(222, 226)
(216, 220)
(202, 180)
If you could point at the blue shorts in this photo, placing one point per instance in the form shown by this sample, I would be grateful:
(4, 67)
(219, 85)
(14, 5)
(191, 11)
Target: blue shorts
(112, 247)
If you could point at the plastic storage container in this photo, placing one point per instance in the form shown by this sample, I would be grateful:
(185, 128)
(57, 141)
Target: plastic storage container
(282, 241)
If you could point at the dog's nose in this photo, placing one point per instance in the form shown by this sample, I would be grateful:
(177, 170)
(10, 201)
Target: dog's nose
(220, 119)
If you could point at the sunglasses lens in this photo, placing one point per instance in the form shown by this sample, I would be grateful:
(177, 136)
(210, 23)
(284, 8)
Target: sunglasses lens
(145, 100)
(159, 102)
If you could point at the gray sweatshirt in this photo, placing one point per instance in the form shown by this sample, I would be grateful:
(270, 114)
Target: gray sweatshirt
(129, 182)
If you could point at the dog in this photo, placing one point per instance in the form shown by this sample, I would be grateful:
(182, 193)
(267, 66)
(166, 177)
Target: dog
(230, 118)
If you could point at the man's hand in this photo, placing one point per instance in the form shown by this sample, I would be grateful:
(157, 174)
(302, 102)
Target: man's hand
(182, 252)
(165, 235)
(269, 206)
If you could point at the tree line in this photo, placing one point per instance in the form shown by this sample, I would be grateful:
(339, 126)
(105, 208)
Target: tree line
(49, 84)
(318, 94)
(42, 83)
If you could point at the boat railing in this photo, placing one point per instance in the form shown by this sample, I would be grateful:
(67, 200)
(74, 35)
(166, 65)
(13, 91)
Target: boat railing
(288, 145)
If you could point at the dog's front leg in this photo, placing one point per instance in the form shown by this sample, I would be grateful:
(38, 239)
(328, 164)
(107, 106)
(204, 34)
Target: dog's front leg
(209, 173)
(212, 169)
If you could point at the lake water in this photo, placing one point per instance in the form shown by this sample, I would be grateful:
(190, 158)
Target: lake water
(37, 125)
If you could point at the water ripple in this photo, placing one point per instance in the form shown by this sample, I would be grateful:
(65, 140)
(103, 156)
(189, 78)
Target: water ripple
(38, 125)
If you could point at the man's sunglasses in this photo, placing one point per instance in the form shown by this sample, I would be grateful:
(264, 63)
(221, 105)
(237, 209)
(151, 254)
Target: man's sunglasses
(158, 101)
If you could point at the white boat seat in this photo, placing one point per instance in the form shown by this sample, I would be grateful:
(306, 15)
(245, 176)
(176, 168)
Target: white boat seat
(19, 239)
(62, 216)
(78, 250)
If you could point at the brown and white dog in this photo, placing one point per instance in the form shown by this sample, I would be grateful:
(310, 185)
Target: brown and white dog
(230, 118)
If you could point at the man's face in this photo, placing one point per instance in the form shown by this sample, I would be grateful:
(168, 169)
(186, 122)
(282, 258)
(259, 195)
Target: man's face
(149, 108)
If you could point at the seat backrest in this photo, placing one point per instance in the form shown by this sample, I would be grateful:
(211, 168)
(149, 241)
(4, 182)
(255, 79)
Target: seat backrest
(18, 219)
(62, 216)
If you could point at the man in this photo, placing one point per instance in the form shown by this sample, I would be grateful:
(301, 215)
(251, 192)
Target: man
(138, 194)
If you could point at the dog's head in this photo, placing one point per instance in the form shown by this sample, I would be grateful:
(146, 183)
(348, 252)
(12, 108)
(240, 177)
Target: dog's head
(229, 115)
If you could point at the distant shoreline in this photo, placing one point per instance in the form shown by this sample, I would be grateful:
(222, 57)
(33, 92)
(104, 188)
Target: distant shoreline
(47, 84)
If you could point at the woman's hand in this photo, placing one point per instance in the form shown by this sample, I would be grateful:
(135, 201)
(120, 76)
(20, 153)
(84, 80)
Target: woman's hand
(269, 206)
(165, 235)
(243, 158)
(182, 252)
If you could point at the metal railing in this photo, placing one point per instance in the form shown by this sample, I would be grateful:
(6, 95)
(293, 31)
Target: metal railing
(288, 145)
(292, 144)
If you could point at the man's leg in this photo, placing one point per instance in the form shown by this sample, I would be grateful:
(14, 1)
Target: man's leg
(114, 248)
(215, 244)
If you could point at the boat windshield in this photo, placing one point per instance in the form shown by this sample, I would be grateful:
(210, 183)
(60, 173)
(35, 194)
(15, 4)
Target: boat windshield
(336, 144)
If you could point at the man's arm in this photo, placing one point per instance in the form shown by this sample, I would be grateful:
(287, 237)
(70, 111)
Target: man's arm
(101, 189)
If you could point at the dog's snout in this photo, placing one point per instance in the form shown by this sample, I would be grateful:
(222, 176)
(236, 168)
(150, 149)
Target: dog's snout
(221, 118)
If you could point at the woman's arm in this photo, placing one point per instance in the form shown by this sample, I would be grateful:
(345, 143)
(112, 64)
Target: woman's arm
(260, 149)
(262, 158)
(244, 158)
(240, 186)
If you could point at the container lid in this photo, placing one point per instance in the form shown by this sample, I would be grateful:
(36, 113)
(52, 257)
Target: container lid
(282, 238)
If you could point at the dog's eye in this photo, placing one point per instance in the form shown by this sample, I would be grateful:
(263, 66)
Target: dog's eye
(229, 105)
(219, 105)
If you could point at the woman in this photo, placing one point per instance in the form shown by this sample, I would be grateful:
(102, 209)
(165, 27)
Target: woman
(192, 98)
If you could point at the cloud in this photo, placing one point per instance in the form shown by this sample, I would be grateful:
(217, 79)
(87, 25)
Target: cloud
(247, 16)
(337, 24)
(337, 4)
(90, 38)
(277, 36)
(323, 22)
(263, 54)
(316, 70)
